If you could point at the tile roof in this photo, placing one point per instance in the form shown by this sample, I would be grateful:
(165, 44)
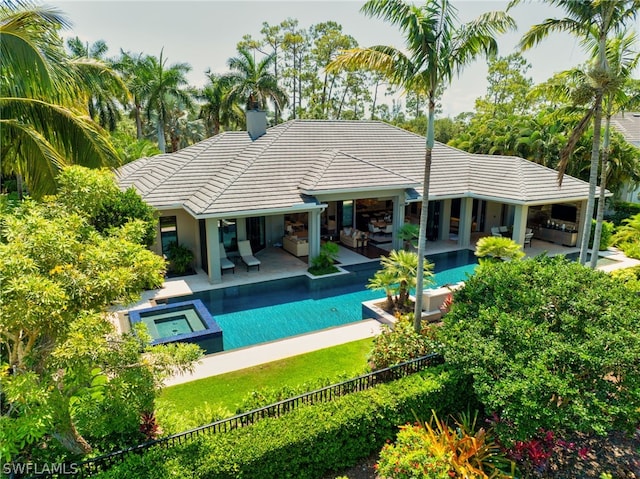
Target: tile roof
(629, 125)
(229, 173)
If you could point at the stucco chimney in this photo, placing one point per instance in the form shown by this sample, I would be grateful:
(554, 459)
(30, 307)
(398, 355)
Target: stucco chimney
(256, 123)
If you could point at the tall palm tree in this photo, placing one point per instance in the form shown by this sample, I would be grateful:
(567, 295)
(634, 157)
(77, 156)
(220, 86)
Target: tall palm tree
(43, 120)
(215, 111)
(623, 60)
(106, 91)
(165, 83)
(588, 19)
(437, 48)
(252, 83)
(136, 70)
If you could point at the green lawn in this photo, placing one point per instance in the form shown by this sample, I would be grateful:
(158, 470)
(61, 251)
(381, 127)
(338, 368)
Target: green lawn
(228, 390)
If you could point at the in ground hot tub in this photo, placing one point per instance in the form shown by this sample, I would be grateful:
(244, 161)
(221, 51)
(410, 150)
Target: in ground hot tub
(186, 322)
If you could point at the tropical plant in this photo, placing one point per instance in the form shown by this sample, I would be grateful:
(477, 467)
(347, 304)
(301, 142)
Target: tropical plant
(180, 257)
(251, 83)
(324, 263)
(498, 249)
(627, 236)
(436, 450)
(436, 49)
(70, 381)
(106, 92)
(622, 60)
(398, 277)
(593, 21)
(43, 121)
(401, 343)
(550, 344)
(409, 234)
(164, 85)
(214, 111)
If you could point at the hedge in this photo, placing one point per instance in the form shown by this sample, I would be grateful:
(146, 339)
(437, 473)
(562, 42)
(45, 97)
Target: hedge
(312, 440)
(621, 211)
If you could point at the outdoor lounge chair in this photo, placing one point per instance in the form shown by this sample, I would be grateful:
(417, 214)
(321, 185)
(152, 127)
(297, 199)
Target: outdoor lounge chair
(244, 248)
(495, 231)
(527, 239)
(225, 263)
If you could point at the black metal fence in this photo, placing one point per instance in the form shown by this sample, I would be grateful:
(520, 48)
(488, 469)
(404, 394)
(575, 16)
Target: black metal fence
(328, 393)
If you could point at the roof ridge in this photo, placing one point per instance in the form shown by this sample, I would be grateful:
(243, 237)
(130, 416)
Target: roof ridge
(248, 161)
(314, 175)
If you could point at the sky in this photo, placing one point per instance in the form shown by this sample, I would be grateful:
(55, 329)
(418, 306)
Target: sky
(205, 33)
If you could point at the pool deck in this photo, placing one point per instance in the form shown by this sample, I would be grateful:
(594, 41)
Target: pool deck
(277, 264)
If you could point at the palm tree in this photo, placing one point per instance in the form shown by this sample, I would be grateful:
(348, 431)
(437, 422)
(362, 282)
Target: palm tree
(43, 124)
(437, 48)
(136, 70)
(622, 62)
(215, 111)
(106, 91)
(165, 84)
(252, 83)
(588, 19)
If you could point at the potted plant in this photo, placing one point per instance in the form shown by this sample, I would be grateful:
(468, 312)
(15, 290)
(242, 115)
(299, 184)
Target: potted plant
(180, 258)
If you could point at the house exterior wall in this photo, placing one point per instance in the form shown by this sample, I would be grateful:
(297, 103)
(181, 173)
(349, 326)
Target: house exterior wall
(493, 215)
(187, 227)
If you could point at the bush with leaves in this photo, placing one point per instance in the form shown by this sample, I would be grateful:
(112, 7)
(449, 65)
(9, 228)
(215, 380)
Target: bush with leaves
(180, 257)
(606, 235)
(398, 277)
(627, 237)
(498, 248)
(402, 343)
(324, 262)
(70, 382)
(550, 344)
(437, 450)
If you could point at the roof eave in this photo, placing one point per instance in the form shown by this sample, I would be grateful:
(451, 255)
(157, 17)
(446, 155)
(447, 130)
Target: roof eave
(359, 190)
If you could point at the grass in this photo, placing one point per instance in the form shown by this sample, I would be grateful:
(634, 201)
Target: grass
(228, 390)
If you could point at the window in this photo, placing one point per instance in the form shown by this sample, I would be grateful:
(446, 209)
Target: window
(228, 234)
(168, 232)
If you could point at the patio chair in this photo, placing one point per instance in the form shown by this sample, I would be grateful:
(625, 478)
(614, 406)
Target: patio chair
(373, 229)
(244, 248)
(495, 231)
(388, 230)
(503, 229)
(527, 239)
(225, 262)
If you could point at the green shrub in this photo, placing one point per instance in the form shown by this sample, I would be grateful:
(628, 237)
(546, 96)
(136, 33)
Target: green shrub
(623, 210)
(311, 440)
(498, 249)
(324, 262)
(180, 258)
(437, 450)
(605, 237)
(550, 343)
(401, 343)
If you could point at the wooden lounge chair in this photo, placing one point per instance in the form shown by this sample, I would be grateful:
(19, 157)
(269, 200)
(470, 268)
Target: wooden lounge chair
(225, 262)
(244, 248)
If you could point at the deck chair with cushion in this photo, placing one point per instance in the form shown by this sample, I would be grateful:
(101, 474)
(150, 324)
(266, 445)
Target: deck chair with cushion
(225, 262)
(244, 248)
(527, 239)
(495, 231)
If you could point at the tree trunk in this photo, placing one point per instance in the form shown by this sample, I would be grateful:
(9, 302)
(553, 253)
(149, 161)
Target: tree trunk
(161, 140)
(593, 179)
(424, 212)
(597, 234)
(138, 108)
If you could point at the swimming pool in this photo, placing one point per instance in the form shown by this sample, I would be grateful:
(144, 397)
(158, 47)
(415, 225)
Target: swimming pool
(261, 312)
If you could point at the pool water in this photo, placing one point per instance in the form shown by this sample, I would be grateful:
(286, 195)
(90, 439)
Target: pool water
(172, 326)
(261, 312)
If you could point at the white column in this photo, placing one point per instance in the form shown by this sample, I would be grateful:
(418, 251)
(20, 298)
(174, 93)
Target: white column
(582, 208)
(213, 251)
(520, 223)
(398, 221)
(314, 234)
(464, 226)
